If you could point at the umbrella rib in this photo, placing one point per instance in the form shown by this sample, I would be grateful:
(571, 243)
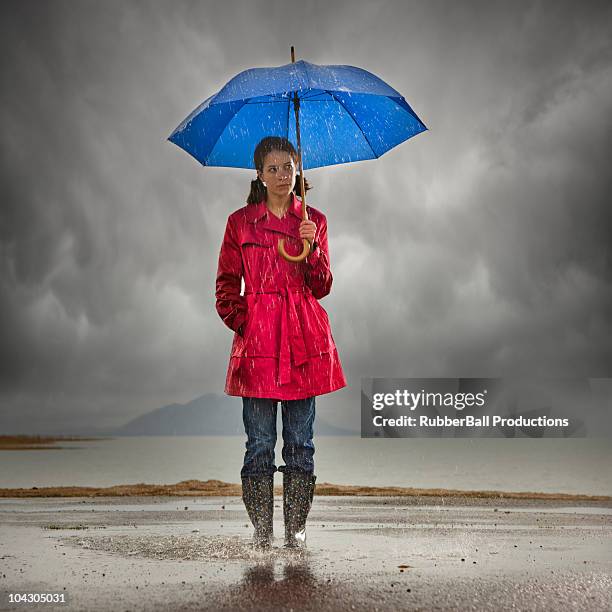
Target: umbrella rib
(283, 97)
(355, 122)
(314, 94)
(279, 101)
(283, 101)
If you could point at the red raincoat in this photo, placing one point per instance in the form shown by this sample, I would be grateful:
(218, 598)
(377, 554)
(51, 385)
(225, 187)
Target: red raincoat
(283, 346)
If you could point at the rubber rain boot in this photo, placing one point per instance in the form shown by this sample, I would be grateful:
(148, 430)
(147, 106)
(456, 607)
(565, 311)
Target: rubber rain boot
(298, 491)
(258, 498)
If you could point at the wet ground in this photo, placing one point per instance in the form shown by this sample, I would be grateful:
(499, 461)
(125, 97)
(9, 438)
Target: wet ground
(364, 553)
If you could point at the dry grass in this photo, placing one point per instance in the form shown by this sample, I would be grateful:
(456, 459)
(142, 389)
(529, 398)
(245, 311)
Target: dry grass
(218, 488)
(36, 442)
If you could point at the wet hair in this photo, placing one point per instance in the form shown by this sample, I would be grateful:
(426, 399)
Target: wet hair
(265, 146)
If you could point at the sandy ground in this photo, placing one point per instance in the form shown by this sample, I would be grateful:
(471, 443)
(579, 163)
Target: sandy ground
(364, 553)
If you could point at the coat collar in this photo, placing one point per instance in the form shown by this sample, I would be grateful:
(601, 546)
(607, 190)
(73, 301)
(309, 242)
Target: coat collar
(255, 212)
(263, 218)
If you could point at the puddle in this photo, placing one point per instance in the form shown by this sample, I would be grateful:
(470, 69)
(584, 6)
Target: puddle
(180, 547)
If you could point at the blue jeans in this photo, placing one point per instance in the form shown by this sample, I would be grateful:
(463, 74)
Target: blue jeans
(259, 417)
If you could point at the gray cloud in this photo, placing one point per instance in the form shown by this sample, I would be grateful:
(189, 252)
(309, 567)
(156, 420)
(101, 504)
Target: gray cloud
(478, 248)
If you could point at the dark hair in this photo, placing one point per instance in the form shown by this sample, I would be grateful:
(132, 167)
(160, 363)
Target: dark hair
(265, 146)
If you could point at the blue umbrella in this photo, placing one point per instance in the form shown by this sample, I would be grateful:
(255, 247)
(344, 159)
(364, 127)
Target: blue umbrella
(341, 114)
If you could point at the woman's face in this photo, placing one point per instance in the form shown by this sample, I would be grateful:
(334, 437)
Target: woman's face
(279, 173)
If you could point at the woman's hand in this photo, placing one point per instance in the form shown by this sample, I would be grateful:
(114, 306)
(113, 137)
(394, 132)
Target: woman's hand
(308, 229)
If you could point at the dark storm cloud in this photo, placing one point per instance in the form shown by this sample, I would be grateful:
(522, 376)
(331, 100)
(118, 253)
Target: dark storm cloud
(478, 248)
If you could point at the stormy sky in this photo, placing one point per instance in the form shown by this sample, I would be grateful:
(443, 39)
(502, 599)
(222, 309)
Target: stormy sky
(478, 248)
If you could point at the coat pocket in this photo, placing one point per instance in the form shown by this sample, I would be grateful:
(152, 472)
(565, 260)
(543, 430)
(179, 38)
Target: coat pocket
(317, 331)
(248, 323)
(261, 329)
(240, 342)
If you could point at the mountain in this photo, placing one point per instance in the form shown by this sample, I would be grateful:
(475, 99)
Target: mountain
(207, 415)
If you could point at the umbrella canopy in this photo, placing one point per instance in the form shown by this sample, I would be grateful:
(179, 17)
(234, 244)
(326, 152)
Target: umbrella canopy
(346, 114)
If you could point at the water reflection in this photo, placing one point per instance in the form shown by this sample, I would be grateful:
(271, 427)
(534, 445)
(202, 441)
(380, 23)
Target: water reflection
(278, 582)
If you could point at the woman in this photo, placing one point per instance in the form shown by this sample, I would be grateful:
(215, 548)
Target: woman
(283, 349)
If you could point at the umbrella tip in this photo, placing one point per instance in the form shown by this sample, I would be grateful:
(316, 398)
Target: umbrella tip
(292, 54)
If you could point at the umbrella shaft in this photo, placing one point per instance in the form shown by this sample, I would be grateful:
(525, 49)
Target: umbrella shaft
(296, 107)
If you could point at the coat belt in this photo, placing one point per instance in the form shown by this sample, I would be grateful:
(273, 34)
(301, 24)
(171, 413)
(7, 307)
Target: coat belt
(291, 334)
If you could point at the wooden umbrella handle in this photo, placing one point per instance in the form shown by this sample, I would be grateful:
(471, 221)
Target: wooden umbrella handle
(294, 258)
(281, 242)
